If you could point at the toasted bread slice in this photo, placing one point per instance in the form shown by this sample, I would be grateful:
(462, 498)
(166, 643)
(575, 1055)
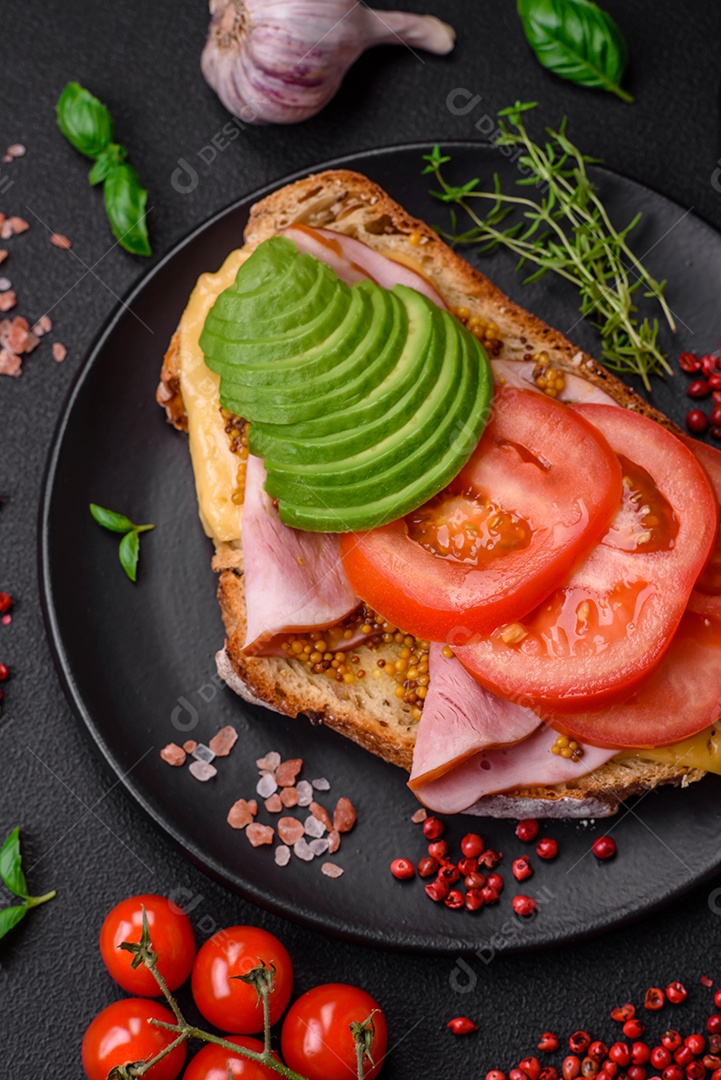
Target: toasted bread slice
(368, 711)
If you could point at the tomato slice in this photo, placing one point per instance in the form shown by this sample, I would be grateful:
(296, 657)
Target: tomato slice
(598, 636)
(539, 490)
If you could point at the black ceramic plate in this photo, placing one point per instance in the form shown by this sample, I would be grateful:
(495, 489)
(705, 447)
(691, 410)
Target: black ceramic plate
(137, 660)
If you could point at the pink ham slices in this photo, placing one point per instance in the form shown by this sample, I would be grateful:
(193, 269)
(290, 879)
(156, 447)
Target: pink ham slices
(354, 261)
(293, 580)
(461, 718)
(529, 764)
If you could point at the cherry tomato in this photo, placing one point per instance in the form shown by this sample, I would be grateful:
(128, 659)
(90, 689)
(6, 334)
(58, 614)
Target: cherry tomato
(502, 535)
(316, 1040)
(228, 1002)
(599, 636)
(213, 1062)
(171, 935)
(122, 1034)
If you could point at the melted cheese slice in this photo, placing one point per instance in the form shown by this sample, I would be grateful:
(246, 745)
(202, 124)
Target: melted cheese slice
(214, 465)
(702, 751)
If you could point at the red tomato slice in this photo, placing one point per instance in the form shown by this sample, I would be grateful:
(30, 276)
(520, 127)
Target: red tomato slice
(682, 697)
(708, 583)
(539, 490)
(595, 639)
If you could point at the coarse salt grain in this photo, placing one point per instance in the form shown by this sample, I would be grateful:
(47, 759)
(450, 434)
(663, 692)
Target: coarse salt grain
(266, 786)
(201, 770)
(5, 284)
(287, 771)
(58, 240)
(3, 255)
(282, 855)
(313, 827)
(173, 755)
(203, 753)
(241, 814)
(16, 150)
(344, 815)
(43, 326)
(223, 741)
(59, 352)
(6, 620)
(19, 225)
(322, 814)
(333, 841)
(319, 846)
(302, 849)
(259, 834)
(189, 745)
(273, 805)
(269, 763)
(290, 830)
(8, 300)
(420, 815)
(289, 796)
(305, 793)
(321, 784)
(10, 364)
(331, 870)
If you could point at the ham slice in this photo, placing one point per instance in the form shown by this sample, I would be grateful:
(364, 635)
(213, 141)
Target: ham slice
(353, 261)
(577, 391)
(293, 580)
(529, 764)
(461, 718)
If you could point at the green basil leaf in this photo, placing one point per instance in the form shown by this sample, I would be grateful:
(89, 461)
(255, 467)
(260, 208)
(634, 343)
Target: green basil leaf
(110, 520)
(125, 201)
(111, 156)
(576, 40)
(84, 120)
(128, 552)
(9, 917)
(11, 870)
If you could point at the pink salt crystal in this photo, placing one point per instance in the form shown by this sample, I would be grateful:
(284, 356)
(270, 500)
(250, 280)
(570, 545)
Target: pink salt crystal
(223, 742)
(201, 770)
(59, 352)
(16, 150)
(290, 830)
(10, 364)
(19, 225)
(420, 815)
(8, 300)
(240, 814)
(173, 754)
(333, 841)
(60, 241)
(331, 870)
(259, 834)
(273, 805)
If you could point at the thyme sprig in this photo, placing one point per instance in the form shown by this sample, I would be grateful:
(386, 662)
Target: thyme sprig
(568, 231)
(261, 977)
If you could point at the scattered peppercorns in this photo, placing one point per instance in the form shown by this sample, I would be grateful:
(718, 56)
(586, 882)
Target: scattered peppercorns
(461, 1025)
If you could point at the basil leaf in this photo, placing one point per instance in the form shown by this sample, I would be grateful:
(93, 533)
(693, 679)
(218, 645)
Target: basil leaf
(578, 41)
(128, 552)
(9, 917)
(111, 156)
(84, 120)
(11, 870)
(125, 200)
(110, 520)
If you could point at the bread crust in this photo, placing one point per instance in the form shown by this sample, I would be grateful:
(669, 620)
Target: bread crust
(350, 203)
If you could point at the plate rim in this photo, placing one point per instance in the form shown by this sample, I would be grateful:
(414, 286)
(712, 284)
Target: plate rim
(362, 936)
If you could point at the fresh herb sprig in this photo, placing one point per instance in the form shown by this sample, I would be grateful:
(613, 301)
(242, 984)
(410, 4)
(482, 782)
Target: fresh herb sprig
(129, 550)
(88, 125)
(568, 231)
(261, 978)
(13, 876)
(578, 41)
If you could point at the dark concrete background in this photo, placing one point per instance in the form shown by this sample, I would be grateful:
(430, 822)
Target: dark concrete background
(81, 832)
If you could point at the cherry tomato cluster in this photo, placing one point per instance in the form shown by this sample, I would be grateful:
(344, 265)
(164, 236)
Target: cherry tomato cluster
(316, 1038)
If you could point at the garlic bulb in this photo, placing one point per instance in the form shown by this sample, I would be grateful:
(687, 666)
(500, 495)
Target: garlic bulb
(281, 61)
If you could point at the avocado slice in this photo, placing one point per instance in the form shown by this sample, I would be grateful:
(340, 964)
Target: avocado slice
(363, 402)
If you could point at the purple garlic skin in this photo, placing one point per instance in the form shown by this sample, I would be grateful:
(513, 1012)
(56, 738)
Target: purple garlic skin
(281, 61)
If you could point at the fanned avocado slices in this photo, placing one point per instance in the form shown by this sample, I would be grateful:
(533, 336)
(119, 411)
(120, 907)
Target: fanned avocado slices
(363, 402)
